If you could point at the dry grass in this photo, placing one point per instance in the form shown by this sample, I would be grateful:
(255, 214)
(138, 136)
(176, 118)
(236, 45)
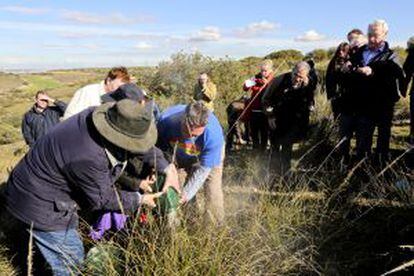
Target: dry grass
(316, 220)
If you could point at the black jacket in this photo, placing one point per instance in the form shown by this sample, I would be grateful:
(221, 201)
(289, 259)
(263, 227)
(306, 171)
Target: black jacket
(291, 107)
(337, 86)
(66, 168)
(409, 71)
(381, 90)
(36, 124)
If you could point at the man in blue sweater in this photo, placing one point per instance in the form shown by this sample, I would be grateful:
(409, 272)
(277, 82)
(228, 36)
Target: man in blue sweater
(75, 166)
(195, 137)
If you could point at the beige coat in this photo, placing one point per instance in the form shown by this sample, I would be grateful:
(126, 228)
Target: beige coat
(207, 94)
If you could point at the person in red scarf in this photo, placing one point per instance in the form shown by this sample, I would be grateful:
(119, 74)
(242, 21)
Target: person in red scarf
(254, 113)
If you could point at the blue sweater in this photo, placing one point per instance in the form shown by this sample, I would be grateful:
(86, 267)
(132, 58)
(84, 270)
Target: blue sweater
(66, 168)
(205, 149)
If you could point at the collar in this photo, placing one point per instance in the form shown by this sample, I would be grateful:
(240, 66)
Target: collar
(34, 109)
(378, 50)
(102, 91)
(113, 161)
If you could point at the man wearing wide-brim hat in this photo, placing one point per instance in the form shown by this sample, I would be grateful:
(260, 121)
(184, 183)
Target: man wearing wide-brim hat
(75, 165)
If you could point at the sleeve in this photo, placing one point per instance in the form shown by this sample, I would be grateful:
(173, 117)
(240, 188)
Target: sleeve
(95, 182)
(245, 88)
(268, 93)
(60, 107)
(195, 92)
(155, 159)
(390, 68)
(211, 153)
(313, 83)
(26, 130)
(330, 80)
(209, 92)
(75, 105)
(196, 181)
(162, 140)
(409, 71)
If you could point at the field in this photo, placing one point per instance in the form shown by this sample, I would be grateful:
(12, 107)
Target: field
(317, 220)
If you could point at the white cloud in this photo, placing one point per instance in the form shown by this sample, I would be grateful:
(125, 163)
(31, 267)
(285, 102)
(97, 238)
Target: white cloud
(108, 19)
(87, 46)
(257, 28)
(209, 33)
(24, 10)
(143, 46)
(310, 36)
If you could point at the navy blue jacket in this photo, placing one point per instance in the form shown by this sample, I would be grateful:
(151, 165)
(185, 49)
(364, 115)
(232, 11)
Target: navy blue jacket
(380, 91)
(36, 124)
(66, 168)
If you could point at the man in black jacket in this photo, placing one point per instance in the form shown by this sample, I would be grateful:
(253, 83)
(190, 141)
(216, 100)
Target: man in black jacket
(409, 74)
(377, 79)
(41, 117)
(287, 102)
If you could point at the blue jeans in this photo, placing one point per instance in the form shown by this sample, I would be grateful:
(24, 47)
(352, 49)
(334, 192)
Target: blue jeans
(63, 250)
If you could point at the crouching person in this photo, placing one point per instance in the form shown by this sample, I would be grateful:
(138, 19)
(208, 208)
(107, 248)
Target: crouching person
(194, 137)
(75, 166)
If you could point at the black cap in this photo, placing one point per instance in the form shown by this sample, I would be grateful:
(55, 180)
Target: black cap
(126, 91)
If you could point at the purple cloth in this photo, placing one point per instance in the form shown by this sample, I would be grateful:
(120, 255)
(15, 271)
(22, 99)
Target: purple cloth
(108, 221)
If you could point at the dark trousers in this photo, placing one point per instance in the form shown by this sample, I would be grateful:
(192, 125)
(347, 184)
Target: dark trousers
(365, 126)
(281, 153)
(259, 130)
(384, 123)
(364, 129)
(236, 131)
(347, 124)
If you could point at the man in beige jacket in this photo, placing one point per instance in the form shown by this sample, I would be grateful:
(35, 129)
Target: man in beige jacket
(205, 91)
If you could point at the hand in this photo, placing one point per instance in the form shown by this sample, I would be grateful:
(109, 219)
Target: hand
(366, 70)
(305, 81)
(171, 179)
(44, 97)
(312, 108)
(183, 199)
(272, 123)
(149, 199)
(145, 184)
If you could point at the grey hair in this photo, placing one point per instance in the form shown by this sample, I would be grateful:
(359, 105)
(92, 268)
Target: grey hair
(196, 114)
(378, 22)
(301, 65)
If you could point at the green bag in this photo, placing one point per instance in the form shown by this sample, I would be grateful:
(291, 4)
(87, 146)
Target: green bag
(169, 201)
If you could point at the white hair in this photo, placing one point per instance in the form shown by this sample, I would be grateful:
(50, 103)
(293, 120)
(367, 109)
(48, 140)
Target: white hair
(301, 65)
(378, 22)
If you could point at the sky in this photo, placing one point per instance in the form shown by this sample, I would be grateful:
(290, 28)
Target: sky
(42, 34)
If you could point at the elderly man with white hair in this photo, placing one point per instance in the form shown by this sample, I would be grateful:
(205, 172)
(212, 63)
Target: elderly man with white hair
(287, 102)
(377, 79)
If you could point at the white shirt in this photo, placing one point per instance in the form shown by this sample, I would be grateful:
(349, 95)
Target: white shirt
(85, 97)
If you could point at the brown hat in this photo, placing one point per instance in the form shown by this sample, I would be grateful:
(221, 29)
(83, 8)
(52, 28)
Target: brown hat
(127, 124)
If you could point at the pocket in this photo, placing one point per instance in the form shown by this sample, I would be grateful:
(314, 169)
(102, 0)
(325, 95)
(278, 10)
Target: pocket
(64, 207)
